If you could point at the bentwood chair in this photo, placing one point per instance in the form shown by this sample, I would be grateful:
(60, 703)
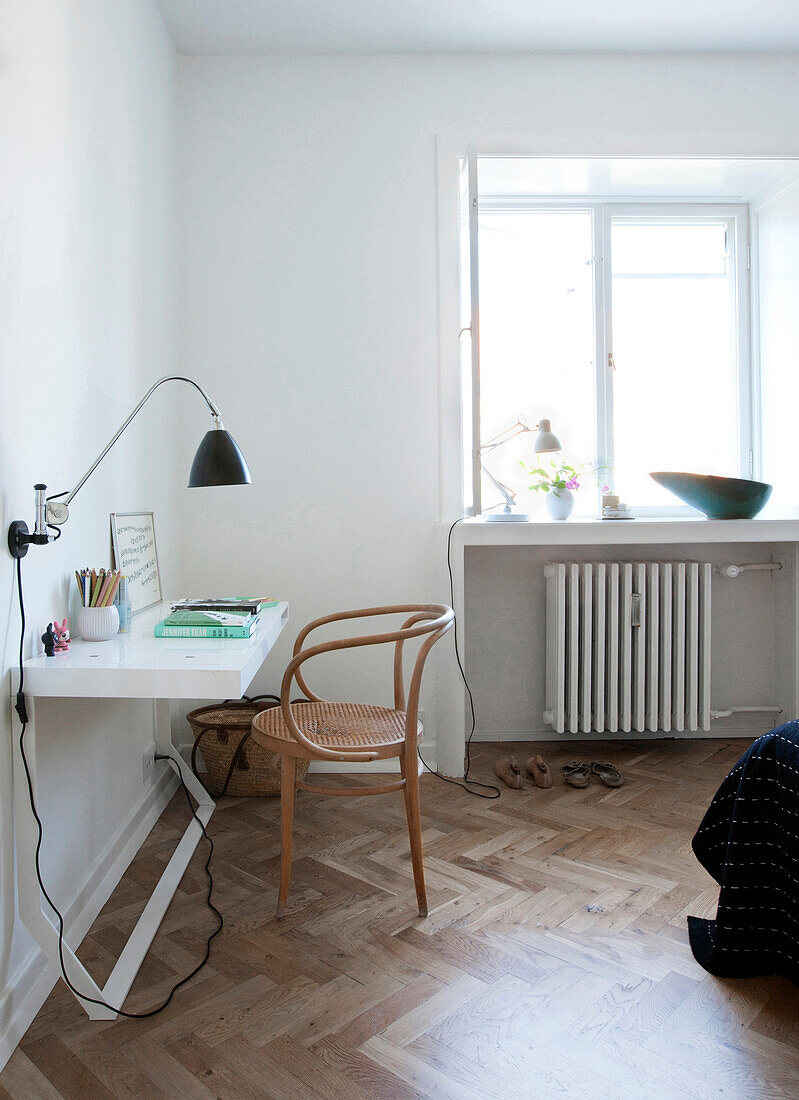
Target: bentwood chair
(321, 730)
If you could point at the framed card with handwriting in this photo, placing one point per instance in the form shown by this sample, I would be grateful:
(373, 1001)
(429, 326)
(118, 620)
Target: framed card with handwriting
(134, 553)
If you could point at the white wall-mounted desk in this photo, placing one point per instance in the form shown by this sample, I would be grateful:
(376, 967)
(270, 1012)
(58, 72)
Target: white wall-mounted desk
(130, 666)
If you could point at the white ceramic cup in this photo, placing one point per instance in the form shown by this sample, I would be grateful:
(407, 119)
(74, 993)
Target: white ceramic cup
(98, 624)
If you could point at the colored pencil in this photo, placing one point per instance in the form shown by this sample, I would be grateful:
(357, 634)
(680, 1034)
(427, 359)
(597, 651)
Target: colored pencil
(108, 599)
(104, 589)
(106, 596)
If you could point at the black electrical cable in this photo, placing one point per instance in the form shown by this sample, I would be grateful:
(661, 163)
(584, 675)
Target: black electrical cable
(458, 782)
(57, 529)
(23, 717)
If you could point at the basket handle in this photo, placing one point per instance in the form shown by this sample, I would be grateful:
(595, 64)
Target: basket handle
(234, 760)
(254, 699)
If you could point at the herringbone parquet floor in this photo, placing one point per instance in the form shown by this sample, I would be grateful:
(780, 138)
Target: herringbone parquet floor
(554, 962)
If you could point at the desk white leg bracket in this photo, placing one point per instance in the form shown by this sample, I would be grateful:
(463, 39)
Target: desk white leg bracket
(31, 904)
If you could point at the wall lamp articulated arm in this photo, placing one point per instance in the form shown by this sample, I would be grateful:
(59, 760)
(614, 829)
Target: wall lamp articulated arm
(218, 461)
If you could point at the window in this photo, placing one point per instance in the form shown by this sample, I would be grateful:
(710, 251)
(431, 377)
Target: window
(624, 323)
(537, 342)
(675, 366)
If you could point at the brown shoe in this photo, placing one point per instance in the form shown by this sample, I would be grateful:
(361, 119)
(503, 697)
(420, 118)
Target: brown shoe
(510, 772)
(610, 775)
(537, 767)
(576, 774)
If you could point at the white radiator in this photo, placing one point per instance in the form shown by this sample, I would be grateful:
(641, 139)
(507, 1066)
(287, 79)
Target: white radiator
(628, 646)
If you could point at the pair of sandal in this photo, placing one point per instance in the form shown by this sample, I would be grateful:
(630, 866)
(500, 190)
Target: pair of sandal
(577, 774)
(510, 773)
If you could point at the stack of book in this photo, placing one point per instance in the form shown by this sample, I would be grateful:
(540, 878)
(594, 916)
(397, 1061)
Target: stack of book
(213, 618)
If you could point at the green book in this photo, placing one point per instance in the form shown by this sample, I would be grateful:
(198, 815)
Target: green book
(206, 624)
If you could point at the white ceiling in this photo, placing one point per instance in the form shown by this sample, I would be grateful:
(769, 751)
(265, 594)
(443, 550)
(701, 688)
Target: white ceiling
(361, 26)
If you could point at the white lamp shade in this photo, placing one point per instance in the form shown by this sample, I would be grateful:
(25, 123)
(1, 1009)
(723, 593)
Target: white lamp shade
(546, 440)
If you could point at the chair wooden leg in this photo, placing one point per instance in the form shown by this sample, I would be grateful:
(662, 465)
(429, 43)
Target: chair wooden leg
(288, 793)
(413, 814)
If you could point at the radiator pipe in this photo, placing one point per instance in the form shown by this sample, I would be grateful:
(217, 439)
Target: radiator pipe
(736, 570)
(744, 710)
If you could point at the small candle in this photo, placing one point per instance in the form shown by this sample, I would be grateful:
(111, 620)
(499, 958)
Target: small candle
(610, 502)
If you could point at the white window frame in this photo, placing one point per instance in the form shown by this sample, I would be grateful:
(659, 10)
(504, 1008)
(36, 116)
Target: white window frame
(603, 214)
(457, 148)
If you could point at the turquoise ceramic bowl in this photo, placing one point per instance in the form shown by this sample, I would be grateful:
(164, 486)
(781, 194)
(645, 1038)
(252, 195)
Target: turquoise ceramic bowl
(717, 497)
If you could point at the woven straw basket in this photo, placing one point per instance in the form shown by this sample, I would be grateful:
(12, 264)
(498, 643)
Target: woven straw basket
(235, 764)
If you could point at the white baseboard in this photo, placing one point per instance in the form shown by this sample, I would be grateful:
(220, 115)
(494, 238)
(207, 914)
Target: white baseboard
(551, 735)
(371, 765)
(35, 977)
(340, 765)
(348, 766)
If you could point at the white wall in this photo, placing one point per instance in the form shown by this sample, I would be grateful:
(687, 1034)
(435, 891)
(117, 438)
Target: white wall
(88, 301)
(309, 296)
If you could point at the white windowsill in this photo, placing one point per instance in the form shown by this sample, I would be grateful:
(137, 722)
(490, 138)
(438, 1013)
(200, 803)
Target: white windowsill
(477, 531)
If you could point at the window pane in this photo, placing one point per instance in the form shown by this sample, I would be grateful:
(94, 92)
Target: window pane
(669, 249)
(536, 342)
(675, 389)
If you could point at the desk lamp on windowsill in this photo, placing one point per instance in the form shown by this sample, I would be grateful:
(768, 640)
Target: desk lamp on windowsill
(545, 442)
(218, 461)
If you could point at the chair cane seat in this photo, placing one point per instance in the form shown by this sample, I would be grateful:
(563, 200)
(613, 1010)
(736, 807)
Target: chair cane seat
(337, 726)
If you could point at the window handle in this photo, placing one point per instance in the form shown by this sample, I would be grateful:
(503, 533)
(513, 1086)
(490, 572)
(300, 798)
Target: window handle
(611, 361)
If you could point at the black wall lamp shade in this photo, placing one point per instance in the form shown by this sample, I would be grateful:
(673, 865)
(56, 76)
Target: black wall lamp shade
(219, 461)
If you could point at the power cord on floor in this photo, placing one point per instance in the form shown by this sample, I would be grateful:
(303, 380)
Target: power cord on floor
(466, 780)
(23, 717)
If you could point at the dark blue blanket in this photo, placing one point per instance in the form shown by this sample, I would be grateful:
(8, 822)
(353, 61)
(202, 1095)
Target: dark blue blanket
(749, 842)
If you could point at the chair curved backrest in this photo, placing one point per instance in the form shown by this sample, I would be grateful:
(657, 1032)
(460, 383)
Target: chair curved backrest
(430, 621)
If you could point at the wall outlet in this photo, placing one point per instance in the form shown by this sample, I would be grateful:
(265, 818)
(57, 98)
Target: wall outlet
(148, 762)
